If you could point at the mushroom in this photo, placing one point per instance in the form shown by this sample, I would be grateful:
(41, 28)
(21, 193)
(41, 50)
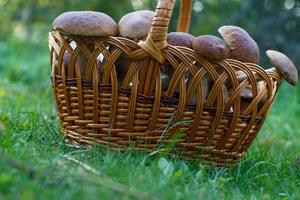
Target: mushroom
(165, 80)
(208, 83)
(242, 46)
(205, 89)
(66, 60)
(211, 47)
(240, 75)
(284, 66)
(247, 95)
(122, 63)
(244, 105)
(180, 39)
(122, 67)
(85, 23)
(177, 39)
(226, 94)
(136, 25)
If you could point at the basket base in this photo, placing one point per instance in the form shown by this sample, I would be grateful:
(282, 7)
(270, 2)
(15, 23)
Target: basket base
(206, 155)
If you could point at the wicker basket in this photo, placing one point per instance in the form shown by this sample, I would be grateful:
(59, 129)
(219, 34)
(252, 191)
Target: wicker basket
(95, 107)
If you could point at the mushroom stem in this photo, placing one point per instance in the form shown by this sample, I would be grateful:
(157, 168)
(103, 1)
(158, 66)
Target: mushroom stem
(284, 66)
(273, 69)
(243, 77)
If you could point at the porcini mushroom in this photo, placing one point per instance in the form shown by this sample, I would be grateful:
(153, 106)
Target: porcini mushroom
(247, 95)
(66, 60)
(241, 44)
(122, 67)
(177, 39)
(180, 39)
(284, 66)
(226, 94)
(86, 23)
(136, 25)
(165, 80)
(210, 47)
(205, 81)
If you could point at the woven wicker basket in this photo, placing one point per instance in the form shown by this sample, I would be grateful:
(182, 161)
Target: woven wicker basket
(95, 107)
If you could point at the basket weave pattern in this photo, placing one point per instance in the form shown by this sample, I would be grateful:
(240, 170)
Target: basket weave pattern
(96, 106)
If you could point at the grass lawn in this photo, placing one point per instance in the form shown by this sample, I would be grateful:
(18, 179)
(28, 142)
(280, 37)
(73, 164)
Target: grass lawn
(35, 162)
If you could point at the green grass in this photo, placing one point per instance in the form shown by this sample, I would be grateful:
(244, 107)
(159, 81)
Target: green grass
(36, 163)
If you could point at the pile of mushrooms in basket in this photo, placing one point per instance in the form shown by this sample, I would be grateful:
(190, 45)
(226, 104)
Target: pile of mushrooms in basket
(233, 43)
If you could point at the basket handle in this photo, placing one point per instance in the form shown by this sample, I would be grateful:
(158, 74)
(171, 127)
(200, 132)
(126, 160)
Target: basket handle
(185, 16)
(157, 37)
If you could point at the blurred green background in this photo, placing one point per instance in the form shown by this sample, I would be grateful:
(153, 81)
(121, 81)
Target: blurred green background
(29, 128)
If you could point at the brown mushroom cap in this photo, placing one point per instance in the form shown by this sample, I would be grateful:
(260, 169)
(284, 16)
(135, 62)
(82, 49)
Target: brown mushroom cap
(136, 25)
(242, 46)
(211, 47)
(180, 39)
(247, 94)
(86, 23)
(284, 65)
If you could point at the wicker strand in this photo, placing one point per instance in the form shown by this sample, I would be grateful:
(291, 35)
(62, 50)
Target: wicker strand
(184, 16)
